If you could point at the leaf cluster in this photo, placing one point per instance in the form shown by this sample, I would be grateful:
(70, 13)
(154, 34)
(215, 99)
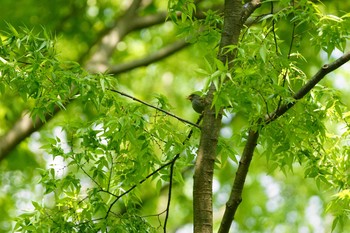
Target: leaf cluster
(104, 159)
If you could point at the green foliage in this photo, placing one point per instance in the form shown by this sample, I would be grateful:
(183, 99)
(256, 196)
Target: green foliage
(30, 67)
(187, 9)
(340, 207)
(334, 32)
(110, 147)
(114, 152)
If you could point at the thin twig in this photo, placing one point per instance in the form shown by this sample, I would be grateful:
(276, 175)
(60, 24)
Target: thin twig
(264, 100)
(292, 41)
(286, 72)
(169, 194)
(151, 106)
(110, 173)
(140, 182)
(172, 172)
(326, 69)
(273, 30)
(171, 162)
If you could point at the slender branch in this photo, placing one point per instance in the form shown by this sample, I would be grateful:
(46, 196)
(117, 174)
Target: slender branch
(237, 188)
(149, 20)
(129, 22)
(111, 172)
(248, 9)
(99, 60)
(135, 23)
(292, 40)
(169, 195)
(286, 72)
(140, 182)
(274, 30)
(87, 174)
(264, 100)
(160, 54)
(171, 162)
(24, 127)
(326, 69)
(151, 106)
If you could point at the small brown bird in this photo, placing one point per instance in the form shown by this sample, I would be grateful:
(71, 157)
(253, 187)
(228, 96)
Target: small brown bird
(198, 102)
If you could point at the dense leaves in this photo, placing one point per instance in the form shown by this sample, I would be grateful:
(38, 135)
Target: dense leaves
(108, 163)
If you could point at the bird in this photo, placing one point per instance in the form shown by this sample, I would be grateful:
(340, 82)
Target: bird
(198, 102)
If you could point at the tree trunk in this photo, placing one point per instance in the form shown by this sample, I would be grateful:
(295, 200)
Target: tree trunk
(204, 167)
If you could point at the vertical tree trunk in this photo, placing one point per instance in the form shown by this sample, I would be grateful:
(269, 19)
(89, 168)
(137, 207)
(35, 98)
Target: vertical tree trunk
(203, 174)
(204, 167)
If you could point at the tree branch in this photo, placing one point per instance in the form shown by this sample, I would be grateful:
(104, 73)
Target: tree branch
(326, 69)
(24, 127)
(241, 174)
(160, 54)
(149, 20)
(159, 109)
(171, 176)
(140, 182)
(98, 63)
(237, 188)
(171, 162)
(248, 9)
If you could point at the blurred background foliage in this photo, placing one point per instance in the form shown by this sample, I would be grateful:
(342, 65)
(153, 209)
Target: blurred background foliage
(273, 201)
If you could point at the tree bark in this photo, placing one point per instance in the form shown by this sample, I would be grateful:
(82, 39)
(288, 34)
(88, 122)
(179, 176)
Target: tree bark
(204, 167)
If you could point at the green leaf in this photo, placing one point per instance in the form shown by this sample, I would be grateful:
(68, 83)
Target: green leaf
(334, 224)
(36, 205)
(13, 30)
(263, 52)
